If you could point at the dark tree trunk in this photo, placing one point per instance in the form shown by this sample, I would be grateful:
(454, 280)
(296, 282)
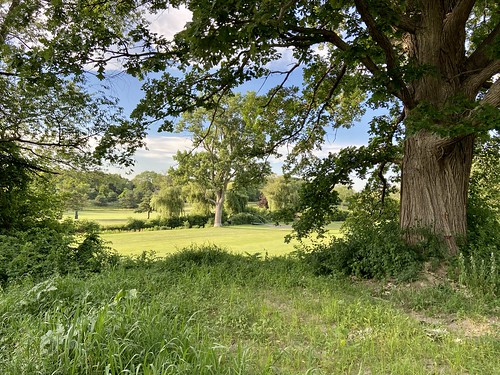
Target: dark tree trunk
(434, 185)
(76, 214)
(436, 169)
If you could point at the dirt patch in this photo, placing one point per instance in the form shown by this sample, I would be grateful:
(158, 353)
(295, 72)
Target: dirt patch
(466, 327)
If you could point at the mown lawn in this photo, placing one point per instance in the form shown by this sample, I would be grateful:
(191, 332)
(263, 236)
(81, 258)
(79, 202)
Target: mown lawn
(240, 239)
(252, 239)
(108, 215)
(204, 311)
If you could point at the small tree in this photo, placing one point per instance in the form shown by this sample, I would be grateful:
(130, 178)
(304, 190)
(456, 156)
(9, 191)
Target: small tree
(168, 201)
(73, 188)
(127, 199)
(236, 201)
(282, 193)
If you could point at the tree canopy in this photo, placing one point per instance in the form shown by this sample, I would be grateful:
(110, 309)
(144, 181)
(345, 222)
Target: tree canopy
(48, 116)
(229, 146)
(431, 64)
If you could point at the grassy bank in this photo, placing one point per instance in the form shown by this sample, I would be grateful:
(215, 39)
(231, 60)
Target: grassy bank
(210, 312)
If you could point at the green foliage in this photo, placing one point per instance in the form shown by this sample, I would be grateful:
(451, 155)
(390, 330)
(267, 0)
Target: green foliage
(373, 245)
(135, 224)
(206, 311)
(40, 252)
(483, 213)
(479, 275)
(128, 199)
(236, 201)
(282, 193)
(376, 54)
(245, 218)
(477, 264)
(232, 148)
(168, 201)
(27, 200)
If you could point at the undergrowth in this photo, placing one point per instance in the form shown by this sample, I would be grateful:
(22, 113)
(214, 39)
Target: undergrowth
(206, 311)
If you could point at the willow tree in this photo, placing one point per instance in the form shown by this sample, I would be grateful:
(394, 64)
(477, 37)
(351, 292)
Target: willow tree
(431, 62)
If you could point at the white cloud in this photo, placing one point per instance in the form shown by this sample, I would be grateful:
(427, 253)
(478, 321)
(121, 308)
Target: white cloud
(164, 146)
(169, 22)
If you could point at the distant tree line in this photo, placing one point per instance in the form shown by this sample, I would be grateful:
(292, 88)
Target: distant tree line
(276, 196)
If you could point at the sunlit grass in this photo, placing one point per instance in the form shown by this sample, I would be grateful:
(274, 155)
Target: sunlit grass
(252, 239)
(109, 215)
(243, 239)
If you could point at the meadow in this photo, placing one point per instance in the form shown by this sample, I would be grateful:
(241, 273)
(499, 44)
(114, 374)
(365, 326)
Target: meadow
(206, 311)
(196, 308)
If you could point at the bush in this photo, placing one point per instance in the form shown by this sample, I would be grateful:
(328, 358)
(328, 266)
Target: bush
(197, 220)
(245, 218)
(373, 245)
(42, 252)
(135, 224)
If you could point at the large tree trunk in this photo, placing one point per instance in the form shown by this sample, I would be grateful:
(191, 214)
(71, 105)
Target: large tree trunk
(434, 185)
(436, 169)
(219, 204)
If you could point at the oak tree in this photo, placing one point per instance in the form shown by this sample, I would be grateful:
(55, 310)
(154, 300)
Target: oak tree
(431, 63)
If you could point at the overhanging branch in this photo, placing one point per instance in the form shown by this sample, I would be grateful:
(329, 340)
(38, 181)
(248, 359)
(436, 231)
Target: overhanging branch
(479, 59)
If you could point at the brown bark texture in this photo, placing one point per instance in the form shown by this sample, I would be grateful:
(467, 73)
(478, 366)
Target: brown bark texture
(436, 168)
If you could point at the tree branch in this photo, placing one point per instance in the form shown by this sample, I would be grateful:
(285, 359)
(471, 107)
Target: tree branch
(390, 56)
(479, 58)
(337, 41)
(492, 97)
(380, 38)
(5, 24)
(275, 91)
(459, 15)
(474, 82)
(406, 23)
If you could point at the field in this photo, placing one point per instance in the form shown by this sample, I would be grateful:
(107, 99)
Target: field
(251, 239)
(206, 311)
(109, 215)
(240, 239)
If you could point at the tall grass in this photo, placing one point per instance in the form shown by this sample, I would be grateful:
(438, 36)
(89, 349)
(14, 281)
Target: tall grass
(205, 311)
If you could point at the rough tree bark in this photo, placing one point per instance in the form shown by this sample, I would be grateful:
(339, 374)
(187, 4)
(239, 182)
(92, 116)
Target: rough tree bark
(434, 185)
(436, 168)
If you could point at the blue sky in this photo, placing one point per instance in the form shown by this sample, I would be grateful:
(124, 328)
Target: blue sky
(161, 147)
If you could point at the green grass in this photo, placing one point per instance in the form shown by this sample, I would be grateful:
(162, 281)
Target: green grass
(241, 239)
(108, 215)
(205, 311)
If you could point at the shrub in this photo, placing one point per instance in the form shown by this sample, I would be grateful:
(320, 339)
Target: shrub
(197, 220)
(41, 252)
(478, 275)
(373, 245)
(173, 222)
(245, 218)
(135, 224)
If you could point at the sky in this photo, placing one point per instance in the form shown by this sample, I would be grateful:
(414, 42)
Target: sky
(161, 147)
